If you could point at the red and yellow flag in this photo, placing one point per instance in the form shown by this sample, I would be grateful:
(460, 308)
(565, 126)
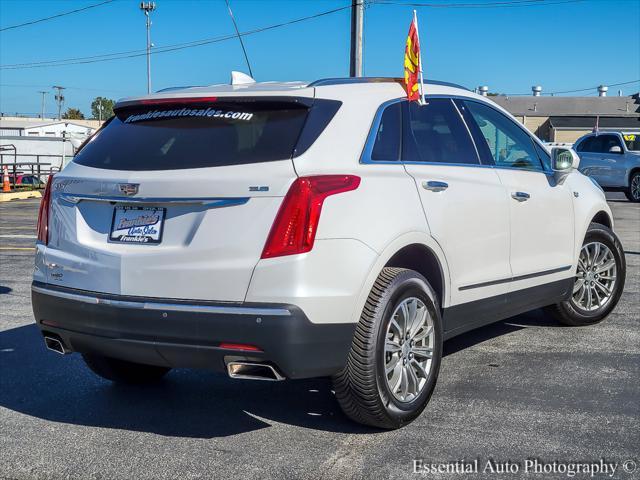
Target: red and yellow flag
(412, 63)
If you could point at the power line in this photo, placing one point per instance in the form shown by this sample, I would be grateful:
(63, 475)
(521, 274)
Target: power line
(502, 4)
(592, 88)
(589, 89)
(14, 85)
(32, 22)
(168, 48)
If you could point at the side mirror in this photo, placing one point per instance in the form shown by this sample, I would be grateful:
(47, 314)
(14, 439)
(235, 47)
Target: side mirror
(563, 162)
(615, 149)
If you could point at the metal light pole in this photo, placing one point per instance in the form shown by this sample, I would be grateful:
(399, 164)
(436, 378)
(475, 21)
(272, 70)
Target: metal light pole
(100, 112)
(357, 31)
(42, 106)
(147, 8)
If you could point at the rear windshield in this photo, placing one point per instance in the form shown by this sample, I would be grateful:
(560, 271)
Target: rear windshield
(175, 136)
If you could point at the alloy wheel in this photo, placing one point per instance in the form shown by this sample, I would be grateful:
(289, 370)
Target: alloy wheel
(635, 187)
(595, 278)
(408, 350)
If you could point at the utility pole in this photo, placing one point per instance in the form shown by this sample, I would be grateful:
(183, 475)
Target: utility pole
(59, 99)
(100, 111)
(42, 106)
(147, 8)
(357, 31)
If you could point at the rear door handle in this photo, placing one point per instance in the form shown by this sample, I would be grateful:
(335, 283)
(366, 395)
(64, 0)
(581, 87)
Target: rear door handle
(520, 196)
(434, 186)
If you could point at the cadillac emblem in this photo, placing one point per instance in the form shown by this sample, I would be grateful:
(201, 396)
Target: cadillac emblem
(128, 189)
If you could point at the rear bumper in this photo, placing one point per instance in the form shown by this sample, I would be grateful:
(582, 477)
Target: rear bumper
(179, 333)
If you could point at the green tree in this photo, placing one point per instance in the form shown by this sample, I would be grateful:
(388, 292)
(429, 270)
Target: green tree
(107, 108)
(73, 114)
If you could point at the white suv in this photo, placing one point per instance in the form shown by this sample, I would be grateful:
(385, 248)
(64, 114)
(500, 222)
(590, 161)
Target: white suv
(294, 230)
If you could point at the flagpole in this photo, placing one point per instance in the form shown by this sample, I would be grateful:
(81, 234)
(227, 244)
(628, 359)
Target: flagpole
(415, 21)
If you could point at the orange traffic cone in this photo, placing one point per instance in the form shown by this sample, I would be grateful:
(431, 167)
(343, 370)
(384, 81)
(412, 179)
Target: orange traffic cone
(5, 180)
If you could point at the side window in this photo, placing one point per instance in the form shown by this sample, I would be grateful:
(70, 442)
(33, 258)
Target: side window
(387, 142)
(583, 145)
(507, 144)
(544, 157)
(599, 143)
(436, 133)
(608, 141)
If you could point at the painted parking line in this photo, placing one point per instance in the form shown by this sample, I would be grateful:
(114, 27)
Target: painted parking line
(17, 248)
(18, 236)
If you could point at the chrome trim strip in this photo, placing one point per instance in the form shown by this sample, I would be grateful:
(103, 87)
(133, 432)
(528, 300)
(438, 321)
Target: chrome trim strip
(161, 306)
(74, 198)
(515, 279)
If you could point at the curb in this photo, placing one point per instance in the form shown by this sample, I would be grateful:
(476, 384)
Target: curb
(5, 197)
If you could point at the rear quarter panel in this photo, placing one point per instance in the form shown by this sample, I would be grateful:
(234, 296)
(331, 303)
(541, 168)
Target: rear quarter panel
(385, 212)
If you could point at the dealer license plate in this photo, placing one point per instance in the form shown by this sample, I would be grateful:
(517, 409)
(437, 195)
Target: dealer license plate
(137, 225)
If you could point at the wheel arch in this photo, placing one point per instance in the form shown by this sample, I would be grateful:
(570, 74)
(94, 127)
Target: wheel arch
(414, 250)
(422, 259)
(632, 171)
(602, 218)
(589, 206)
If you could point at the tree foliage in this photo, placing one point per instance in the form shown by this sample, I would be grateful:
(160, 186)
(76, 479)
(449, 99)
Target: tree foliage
(73, 114)
(107, 108)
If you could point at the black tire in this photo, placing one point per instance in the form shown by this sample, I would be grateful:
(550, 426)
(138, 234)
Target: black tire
(571, 314)
(361, 388)
(121, 371)
(633, 195)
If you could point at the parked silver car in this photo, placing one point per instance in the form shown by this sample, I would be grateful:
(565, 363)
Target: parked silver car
(613, 160)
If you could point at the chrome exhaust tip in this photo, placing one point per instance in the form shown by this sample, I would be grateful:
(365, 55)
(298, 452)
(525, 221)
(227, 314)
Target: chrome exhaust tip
(55, 345)
(253, 371)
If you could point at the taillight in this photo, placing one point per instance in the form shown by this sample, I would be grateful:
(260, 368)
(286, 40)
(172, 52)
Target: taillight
(294, 228)
(43, 213)
(176, 101)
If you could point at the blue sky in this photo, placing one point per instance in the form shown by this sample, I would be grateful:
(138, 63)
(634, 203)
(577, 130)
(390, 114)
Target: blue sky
(561, 46)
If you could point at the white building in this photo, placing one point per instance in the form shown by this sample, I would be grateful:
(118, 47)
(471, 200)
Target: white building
(37, 127)
(49, 143)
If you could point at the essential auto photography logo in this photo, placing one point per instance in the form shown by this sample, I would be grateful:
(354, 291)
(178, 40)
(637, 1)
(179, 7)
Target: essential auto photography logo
(600, 468)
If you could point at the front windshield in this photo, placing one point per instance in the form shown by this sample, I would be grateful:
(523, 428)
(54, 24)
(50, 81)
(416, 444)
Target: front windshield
(632, 140)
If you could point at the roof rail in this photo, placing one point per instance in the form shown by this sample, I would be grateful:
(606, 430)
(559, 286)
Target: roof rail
(347, 80)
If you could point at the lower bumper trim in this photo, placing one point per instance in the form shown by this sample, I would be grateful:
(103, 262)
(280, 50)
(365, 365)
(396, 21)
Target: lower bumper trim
(191, 334)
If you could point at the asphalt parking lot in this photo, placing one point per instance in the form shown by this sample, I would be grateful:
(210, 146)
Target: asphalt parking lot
(522, 388)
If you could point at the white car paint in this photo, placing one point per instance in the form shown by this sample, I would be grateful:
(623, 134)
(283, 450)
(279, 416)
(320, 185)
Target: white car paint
(477, 231)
